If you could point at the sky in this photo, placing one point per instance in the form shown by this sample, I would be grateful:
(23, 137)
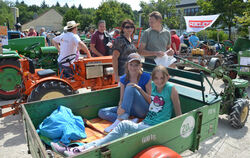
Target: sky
(85, 3)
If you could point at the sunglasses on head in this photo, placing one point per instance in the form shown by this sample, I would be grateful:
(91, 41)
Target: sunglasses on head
(127, 27)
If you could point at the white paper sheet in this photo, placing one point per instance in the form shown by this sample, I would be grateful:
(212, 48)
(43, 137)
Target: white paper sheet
(165, 60)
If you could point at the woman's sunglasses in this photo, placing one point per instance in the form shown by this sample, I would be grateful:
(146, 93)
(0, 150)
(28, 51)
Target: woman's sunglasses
(127, 27)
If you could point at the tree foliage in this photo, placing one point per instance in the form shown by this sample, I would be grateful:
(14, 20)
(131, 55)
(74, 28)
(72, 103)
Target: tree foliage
(227, 9)
(244, 21)
(70, 15)
(5, 14)
(112, 12)
(166, 8)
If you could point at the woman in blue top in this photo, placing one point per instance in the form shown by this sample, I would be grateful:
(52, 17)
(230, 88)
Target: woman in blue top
(165, 98)
(135, 91)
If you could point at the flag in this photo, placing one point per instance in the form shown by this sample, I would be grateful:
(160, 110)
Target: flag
(198, 23)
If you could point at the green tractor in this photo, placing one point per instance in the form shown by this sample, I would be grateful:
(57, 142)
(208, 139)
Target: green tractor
(238, 60)
(32, 47)
(234, 96)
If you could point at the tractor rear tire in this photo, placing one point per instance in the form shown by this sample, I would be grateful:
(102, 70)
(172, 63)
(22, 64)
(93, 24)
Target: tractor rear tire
(239, 113)
(50, 90)
(11, 78)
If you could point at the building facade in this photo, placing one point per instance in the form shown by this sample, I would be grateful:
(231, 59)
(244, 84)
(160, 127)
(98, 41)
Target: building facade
(189, 7)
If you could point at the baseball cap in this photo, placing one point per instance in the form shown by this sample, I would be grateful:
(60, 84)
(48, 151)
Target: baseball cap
(133, 57)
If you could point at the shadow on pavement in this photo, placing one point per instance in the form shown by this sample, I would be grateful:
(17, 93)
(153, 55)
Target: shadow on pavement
(12, 127)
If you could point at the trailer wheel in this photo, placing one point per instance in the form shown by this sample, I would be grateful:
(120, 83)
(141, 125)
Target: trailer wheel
(10, 77)
(157, 151)
(50, 90)
(239, 113)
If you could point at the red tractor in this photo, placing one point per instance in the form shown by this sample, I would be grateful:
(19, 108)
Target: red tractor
(38, 84)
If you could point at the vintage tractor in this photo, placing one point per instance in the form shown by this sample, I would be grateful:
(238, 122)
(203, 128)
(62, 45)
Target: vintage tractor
(38, 84)
(238, 59)
(32, 47)
(201, 55)
(234, 97)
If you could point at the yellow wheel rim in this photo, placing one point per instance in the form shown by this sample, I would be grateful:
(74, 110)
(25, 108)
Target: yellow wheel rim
(52, 95)
(243, 115)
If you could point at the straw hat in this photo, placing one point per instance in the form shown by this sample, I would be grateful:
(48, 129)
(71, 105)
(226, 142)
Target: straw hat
(70, 25)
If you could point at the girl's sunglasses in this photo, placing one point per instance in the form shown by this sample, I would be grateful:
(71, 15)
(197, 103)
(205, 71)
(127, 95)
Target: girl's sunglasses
(127, 27)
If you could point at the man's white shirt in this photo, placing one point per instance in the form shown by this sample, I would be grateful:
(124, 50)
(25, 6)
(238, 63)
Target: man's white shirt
(68, 45)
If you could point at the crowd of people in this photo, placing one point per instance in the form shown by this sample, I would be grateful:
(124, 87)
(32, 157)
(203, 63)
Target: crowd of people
(142, 96)
(151, 98)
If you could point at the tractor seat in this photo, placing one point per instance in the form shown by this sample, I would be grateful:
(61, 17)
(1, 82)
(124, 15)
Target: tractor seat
(240, 83)
(46, 73)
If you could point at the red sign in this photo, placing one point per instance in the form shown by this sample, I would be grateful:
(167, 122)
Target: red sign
(199, 23)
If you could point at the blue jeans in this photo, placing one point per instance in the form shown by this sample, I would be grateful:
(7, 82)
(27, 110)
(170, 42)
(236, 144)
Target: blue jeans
(133, 103)
(124, 127)
(67, 71)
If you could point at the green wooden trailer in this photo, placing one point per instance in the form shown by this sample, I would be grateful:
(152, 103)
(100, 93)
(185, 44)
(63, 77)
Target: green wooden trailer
(198, 122)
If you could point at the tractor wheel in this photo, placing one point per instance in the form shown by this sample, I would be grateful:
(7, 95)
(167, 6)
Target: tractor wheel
(50, 90)
(239, 113)
(217, 64)
(10, 77)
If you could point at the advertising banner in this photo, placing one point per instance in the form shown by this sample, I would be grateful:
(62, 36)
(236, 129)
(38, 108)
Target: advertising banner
(198, 23)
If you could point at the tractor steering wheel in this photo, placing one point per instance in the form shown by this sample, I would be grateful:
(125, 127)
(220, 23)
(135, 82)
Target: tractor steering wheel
(67, 59)
(31, 47)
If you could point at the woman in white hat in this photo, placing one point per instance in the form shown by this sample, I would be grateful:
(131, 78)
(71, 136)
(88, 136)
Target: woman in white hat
(67, 45)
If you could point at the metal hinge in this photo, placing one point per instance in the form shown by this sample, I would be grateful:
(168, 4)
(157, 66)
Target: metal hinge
(105, 152)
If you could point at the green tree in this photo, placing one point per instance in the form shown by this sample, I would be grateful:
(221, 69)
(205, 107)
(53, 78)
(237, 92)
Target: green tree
(166, 8)
(44, 5)
(57, 4)
(80, 7)
(227, 9)
(71, 14)
(24, 14)
(85, 20)
(66, 5)
(112, 12)
(244, 21)
(126, 8)
(5, 14)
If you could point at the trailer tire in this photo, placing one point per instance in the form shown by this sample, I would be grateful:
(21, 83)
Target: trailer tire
(12, 76)
(239, 113)
(157, 151)
(50, 90)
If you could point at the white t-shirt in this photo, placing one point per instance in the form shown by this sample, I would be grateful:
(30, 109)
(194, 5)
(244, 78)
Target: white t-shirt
(68, 45)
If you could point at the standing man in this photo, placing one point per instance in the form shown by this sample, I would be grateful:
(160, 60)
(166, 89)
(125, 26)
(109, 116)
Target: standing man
(69, 42)
(193, 41)
(101, 41)
(175, 42)
(156, 40)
